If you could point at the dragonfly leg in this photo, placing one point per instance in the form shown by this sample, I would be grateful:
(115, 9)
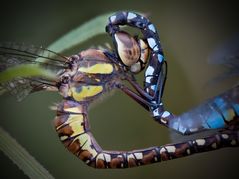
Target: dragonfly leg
(139, 89)
(139, 99)
(159, 113)
(163, 117)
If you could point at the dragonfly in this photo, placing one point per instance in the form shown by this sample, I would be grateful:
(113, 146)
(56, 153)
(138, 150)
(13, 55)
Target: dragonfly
(84, 77)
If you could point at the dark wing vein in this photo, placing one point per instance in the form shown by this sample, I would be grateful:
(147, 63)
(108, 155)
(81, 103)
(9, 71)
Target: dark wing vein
(13, 54)
(226, 55)
(30, 54)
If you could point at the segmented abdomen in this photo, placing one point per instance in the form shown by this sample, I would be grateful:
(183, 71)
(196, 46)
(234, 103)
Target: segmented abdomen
(73, 129)
(218, 112)
(72, 126)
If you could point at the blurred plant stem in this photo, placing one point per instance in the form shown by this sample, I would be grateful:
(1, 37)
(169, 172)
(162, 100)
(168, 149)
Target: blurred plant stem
(28, 164)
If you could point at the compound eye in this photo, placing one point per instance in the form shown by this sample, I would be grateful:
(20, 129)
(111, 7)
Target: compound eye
(144, 51)
(144, 56)
(127, 48)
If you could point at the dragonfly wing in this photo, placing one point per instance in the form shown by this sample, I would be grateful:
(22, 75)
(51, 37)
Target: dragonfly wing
(227, 55)
(13, 54)
(22, 87)
(19, 88)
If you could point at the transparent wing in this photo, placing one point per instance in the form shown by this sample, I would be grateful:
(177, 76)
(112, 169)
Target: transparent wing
(22, 87)
(13, 54)
(227, 55)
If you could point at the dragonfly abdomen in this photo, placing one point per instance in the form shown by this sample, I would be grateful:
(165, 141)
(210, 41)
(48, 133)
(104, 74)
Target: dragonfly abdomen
(72, 126)
(218, 112)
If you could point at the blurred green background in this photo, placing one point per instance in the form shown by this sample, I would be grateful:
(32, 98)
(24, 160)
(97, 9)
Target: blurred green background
(189, 31)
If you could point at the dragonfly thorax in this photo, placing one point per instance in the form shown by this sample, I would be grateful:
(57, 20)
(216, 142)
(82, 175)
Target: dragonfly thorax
(92, 74)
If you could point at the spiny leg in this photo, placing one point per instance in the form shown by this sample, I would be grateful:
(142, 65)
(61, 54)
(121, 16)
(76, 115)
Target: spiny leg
(160, 115)
(135, 97)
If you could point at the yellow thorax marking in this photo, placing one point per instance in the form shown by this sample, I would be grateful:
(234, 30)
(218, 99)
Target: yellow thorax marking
(99, 68)
(86, 91)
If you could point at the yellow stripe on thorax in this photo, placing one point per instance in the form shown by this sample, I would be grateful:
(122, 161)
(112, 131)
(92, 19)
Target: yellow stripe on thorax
(85, 92)
(99, 68)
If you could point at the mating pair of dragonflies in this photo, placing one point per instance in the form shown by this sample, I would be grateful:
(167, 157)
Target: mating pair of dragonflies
(84, 77)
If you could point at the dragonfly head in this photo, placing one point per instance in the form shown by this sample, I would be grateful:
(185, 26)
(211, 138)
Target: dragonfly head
(133, 52)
